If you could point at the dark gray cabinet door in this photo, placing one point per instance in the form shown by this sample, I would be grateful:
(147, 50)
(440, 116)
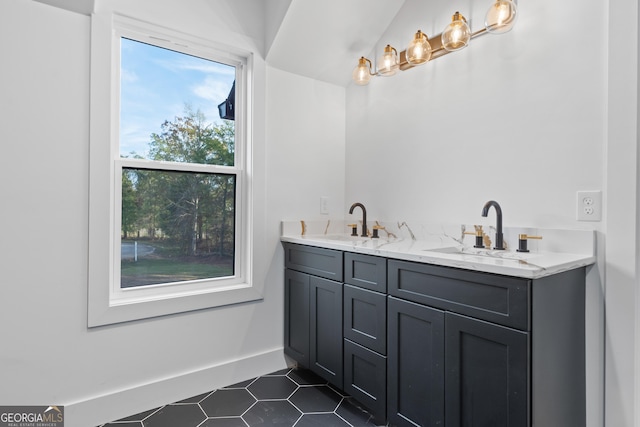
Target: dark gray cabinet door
(415, 365)
(365, 378)
(296, 316)
(326, 329)
(486, 374)
(365, 318)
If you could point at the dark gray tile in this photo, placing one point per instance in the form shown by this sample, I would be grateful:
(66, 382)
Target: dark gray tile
(138, 417)
(176, 415)
(224, 422)
(235, 405)
(127, 424)
(280, 372)
(195, 399)
(315, 399)
(227, 403)
(321, 420)
(338, 391)
(305, 377)
(272, 413)
(272, 388)
(242, 384)
(355, 414)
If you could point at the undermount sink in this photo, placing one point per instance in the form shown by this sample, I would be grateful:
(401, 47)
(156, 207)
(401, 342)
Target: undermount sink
(490, 253)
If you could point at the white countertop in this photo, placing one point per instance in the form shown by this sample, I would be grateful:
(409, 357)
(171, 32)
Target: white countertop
(441, 248)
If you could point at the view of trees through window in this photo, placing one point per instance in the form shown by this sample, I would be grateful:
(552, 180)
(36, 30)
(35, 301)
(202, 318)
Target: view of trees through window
(176, 224)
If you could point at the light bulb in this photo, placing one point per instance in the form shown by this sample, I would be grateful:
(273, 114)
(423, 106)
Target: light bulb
(389, 63)
(419, 50)
(362, 73)
(457, 34)
(500, 17)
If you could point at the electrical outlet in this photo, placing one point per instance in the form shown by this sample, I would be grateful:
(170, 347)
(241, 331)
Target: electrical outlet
(589, 205)
(324, 205)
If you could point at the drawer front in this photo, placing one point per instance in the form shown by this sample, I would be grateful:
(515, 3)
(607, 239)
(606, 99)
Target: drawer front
(365, 318)
(366, 271)
(365, 378)
(498, 299)
(321, 262)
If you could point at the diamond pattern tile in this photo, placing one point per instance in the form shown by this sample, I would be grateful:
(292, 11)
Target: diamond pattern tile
(286, 398)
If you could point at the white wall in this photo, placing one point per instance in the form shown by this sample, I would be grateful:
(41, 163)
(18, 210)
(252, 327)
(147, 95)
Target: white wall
(520, 118)
(305, 156)
(48, 355)
(622, 378)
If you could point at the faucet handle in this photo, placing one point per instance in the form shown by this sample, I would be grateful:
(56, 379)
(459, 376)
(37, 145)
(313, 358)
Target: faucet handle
(354, 229)
(479, 238)
(522, 241)
(375, 231)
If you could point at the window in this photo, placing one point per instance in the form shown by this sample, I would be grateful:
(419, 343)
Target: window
(170, 202)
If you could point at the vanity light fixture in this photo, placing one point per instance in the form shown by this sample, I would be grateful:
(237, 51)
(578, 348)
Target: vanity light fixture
(389, 64)
(500, 18)
(362, 73)
(419, 49)
(457, 34)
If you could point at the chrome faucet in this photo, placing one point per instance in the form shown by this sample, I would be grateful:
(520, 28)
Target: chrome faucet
(365, 232)
(485, 211)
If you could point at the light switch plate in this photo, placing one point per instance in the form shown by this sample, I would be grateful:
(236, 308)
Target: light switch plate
(324, 205)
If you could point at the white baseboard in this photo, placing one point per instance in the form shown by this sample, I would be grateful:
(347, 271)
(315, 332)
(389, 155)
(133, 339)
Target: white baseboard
(111, 406)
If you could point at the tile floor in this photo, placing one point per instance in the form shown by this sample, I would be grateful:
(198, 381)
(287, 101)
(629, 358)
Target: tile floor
(291, 397)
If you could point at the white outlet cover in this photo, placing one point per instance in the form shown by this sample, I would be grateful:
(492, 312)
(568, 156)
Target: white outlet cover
(324, 205)
(589, 205)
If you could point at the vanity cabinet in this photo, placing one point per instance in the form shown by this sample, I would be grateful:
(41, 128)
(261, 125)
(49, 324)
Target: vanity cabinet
(313, 310)
(427, 345)
(470, 348)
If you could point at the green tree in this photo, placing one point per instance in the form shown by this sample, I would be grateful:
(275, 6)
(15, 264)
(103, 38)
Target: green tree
(190, 207)
(130, 211)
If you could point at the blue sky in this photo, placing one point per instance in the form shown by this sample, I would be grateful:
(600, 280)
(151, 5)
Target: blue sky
(156, 84)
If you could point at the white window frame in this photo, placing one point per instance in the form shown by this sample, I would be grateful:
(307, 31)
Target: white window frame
(108, 303)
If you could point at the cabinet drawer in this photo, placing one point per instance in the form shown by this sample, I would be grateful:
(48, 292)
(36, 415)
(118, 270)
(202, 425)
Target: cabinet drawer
(321, 262)
(499, 299)
(365, 378)
(366, 271)
(365, 318)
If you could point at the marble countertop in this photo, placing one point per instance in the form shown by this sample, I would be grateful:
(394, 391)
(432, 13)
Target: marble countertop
(450, 246)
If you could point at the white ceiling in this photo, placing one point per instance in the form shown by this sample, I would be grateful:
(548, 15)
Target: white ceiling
(320, 39)
(84, 7)
(324, 39)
